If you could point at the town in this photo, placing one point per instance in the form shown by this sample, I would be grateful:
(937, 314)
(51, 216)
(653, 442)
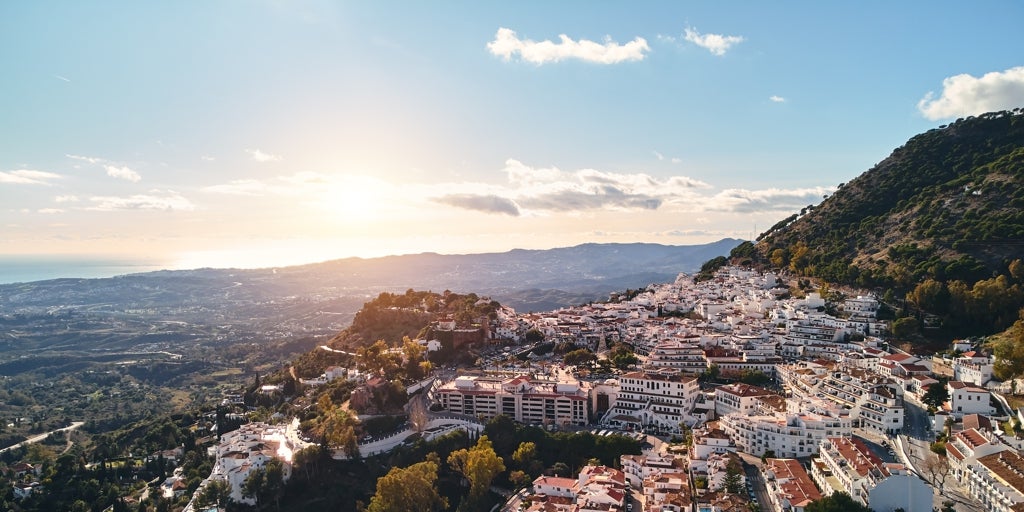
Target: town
(743, 395)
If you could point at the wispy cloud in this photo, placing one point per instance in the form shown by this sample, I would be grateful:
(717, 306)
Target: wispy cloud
(767, 200)
(717, 44)
(482, 203)
(27, 177)
(66, 199)
(777, 99)
(90, 159)
(208, 158)
(966, 95)
(113, 169)
(659, 156)
(122, 173)
(59, 77)
(507, 44)
(49, 211)
(166, 200)
(239, 188)
(260, 156)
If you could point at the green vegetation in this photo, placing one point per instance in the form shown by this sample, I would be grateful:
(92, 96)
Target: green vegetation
(940, 220)
(837, 502)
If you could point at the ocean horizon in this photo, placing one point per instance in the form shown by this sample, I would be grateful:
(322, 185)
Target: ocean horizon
(26, 269)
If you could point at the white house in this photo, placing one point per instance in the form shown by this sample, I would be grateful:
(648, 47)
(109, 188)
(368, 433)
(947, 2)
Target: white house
(965, 398)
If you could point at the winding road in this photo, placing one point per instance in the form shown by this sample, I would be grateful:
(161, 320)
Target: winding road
(44, 435)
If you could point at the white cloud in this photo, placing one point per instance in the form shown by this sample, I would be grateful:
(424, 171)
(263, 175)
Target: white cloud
(122, 173)
(49, 211)
(207, 158)
(90, 159)
(66, 199)
(27, 177)
(167, 200)
(59, 77)
(777, 99)
(767, 200)
(965, 95)
(532, 189)
(717, 44)
(677, 160)
(506, 44)
(239, 188)
(659, 156)
(260, 156)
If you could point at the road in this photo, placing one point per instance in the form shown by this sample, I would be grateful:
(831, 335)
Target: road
(40, 437)
(752, 468)
(917, 437)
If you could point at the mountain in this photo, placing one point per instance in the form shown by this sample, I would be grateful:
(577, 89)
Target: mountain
(949, 204)
(940, 222)
(169, 310)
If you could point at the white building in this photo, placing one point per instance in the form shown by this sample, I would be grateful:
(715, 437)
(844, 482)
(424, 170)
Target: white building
(847, 465)
(966, 398)
(786, 435)
(997, 481)
(789, 487)
(660, 400)
(738, 398)
(973, 368)
(249, 448)
(524, 399)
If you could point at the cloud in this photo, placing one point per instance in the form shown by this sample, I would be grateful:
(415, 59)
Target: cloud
(239, 188)
(659, 156)
(717, 44)
(767, 200)
(260, 156)
(27, 177)
(58, 77)
(91, 160)
(677, 160)
(482, 203)
(49, 211)
(540, 189)
(66, 199)
(154, 200)
(777, 99)
(208, 158)
(965, 95)
(122, 173)
(506, 44)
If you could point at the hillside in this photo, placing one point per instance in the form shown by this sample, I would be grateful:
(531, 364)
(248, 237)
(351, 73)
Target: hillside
(948, 206)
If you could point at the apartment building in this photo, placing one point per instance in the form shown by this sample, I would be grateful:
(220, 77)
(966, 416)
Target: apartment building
(789, 435)
(524, 399)
(677, 355)
(655, 399)
(997, 480)
(847, 465)
(974, 368)
(738, 398)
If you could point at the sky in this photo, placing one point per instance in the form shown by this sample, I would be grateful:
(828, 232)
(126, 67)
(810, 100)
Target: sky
(255, 133)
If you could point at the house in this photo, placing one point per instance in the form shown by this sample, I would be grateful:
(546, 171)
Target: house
(789, 486)
(965, 398)
(997, 481)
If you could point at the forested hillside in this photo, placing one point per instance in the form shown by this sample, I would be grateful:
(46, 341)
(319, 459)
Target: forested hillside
(941, 218)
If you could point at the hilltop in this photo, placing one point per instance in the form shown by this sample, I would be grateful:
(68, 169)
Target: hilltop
(945, 210)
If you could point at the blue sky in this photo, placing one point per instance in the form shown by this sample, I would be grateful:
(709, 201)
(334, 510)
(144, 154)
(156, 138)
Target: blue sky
(247, 133)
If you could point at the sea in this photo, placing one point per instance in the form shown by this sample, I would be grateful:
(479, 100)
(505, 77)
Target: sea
(24, 269)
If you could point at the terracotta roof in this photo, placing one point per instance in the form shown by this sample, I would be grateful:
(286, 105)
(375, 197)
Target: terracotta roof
(1006, 465)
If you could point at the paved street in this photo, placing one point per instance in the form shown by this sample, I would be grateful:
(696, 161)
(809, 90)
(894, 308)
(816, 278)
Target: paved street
(917, 436)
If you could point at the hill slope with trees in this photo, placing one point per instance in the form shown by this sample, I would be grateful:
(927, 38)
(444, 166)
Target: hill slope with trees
(939, 222)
